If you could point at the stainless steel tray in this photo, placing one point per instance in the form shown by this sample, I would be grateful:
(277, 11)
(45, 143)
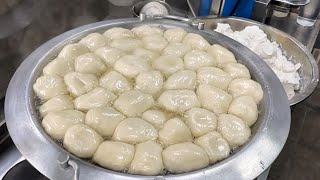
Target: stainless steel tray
(269, 133)
(292, 47)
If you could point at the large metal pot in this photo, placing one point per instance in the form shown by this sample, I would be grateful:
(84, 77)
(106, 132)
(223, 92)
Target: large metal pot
(268, 134)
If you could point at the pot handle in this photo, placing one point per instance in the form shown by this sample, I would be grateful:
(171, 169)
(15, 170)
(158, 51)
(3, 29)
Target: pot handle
(65, 162)
(198, 25)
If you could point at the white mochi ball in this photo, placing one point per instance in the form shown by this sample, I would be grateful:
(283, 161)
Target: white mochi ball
(146, 54)
(245, 108)
(115, 82)
(149, 82)
(57, 103)
(134, 130)
(176, 49)
(155, 117)
(146, 30)
(49, 86)
(109, 55)
(118, 33)
(174, 34)
(246, 87)
(59, 67)
(89, 63)
(214, 76)
(196, 59)
(94, 41)
(131, 65)
(196, 41)
(82, 141)
(154, 43)
(221, 55)
(80, 83)
(184, 79)
(168, 64)
(237, 70)
(71, 51)
(127, 45)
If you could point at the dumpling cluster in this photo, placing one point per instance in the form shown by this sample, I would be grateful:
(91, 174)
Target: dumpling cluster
(148, 100)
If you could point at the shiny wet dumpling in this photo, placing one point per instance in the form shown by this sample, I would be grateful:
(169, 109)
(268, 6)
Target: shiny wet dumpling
(184, 79)
(131, 65)
(155, 117)
(104, 120)
(184, 157)
(200, 121)
(175, 131)
(237, 70)
(168, 64)
(109, 55)
(94, 41)
(80, 83)
(246, 87)
(146, 54)
(216, 147)
(49, 86)
(196, 41)
(174, 34)
(59, 67)
(147, 159)
(127, 45)
(233, 129)
(115, 82)
(114, 155)
(221, 55)
(178, 100)
(149, 82)
(82, 141)
(154, 43)
(98, 97)
(133, 102)
(196, 59)
(118, 33)
(146, 30)
(57, 103)
(134, 130)
(177, 49)
(245, 108)
(214, 76)
(71, 51)
(214, 99)
(89, 63)
(57, 123)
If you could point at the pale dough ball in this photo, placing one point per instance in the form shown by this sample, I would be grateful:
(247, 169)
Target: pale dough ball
(80, 83)
(245, 108)
(114, 155)
(49, 86)
(184, 79)
(176, 49)
(214, 76)
(57, 123)
(57, 103)
(175, 131)
(59, 67)
(200, 121)
(237, 70)
(149, 82)
(94, 41)
(71, 51)
(147, 159)
(127, 45)
(184, 157)
(115, 82)
(89, 63)
(214, 99)
(146, 30)
(168, 64)
(98, 97)
(131, 65)
(118, 33)
(246, 87)
(175, 34)
(216, 147)
(82, 141)
(196, 41)
(233, 129)
(104, 120)
(146, 54)
(154, 43)
(221, 55)
(134, 130)
(133, 102)
(109, 55)
(178, 100)
(155, 117)
(196, 59)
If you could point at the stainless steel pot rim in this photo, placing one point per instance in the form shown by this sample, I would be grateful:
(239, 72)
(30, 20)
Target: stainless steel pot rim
(35, 145)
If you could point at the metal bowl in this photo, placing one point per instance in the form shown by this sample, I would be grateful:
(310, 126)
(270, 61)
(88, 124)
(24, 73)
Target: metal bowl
(292, 47)
(269, 133)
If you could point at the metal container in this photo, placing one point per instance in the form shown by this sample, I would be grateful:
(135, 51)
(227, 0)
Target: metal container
(293, 49)
(269, 133)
